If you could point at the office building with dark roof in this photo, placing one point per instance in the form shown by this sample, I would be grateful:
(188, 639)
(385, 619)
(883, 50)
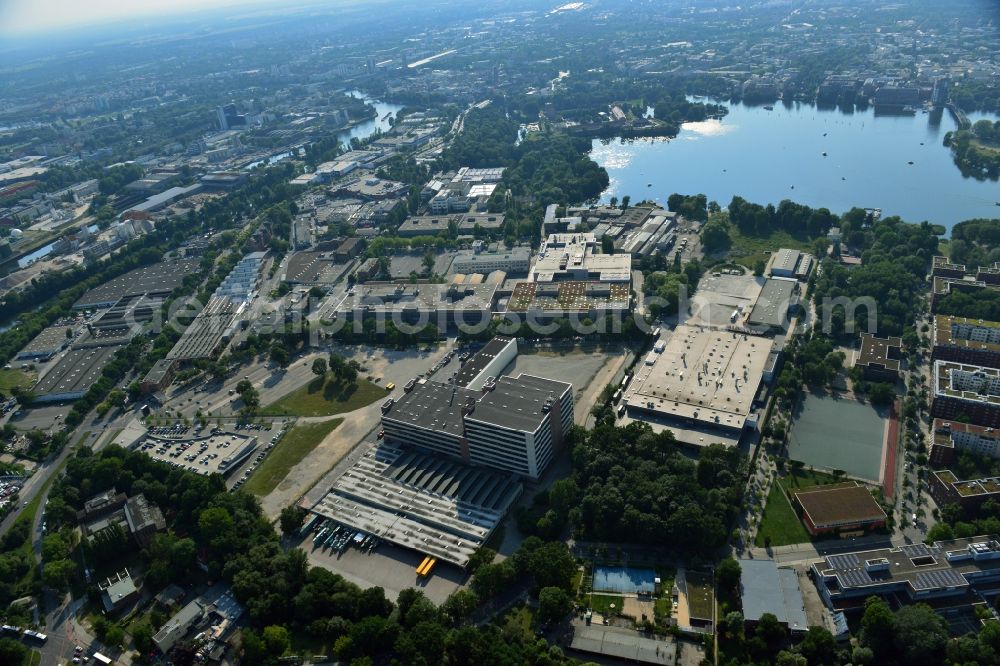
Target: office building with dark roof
(945, 574)
(512, 424)
(839, 508)
(487, 363)
(879, 358)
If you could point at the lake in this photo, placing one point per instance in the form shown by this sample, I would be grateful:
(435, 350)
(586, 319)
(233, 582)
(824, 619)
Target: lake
(766, 156)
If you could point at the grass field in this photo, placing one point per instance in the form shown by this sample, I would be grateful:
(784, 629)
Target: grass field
(15, 377)
(32, 658)
(796, 480)
(289, 452)
(748, 250)
(325, 397)
(601, 603)
(780, 522)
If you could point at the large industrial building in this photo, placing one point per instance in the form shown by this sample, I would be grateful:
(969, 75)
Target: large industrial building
(966, 393)
(158, 279)
(487, 364)
(482, 259)
(443, 305)
(964, 340)
(440, 507)
(788, 263)
(702, 377)
(575, 258)
(774, 306)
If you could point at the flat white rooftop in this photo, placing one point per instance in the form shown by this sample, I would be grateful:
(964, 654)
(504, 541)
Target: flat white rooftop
(703, 375)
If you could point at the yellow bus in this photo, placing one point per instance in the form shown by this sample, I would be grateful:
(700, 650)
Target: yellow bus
(424, 569)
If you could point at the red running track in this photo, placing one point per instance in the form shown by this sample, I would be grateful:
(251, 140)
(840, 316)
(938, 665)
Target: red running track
(891, 444)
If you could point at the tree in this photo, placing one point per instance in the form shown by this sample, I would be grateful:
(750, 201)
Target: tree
(276, 640)
(428, 261)
(291, 518)
(727, 575)
(57, 574)
(460, 605)
(625, 201)
(715, 236)
(877, 626)
(553, 604)
(319, 367)
(607, 244)
(819, 646)
(920, 635)
(249, 395)
(12, 652)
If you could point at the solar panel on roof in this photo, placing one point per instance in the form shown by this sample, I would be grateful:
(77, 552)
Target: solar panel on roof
(845, 561)
(915, 550)
(855, 578)
(929, 580)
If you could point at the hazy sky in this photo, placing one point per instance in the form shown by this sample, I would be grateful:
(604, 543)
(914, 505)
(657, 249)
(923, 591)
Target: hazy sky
(20, 17)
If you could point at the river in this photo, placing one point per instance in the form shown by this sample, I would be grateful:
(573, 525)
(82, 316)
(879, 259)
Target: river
(367, 128)
(766, 156)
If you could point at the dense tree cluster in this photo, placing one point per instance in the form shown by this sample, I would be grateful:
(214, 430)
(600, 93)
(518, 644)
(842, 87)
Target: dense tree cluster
(811, 361)
(555, 168)
(975, 243)
(636, 486)
(896, 257)
(118, 177)
(486, 140)
(976, 95)
(797, 219)
(284, 595)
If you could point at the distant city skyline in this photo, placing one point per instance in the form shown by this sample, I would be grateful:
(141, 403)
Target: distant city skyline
(29, 17)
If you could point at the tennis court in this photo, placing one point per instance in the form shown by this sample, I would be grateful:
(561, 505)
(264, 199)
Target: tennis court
(624, 580)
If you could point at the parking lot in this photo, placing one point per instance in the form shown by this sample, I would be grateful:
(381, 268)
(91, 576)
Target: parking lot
(390, 567)
(209, 451)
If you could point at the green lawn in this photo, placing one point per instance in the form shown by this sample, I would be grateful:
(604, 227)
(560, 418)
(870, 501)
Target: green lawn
(325, 397)
(15, 377)
(748, 250)
(601, 603)
(288, 453)
(780, 522)
(32, 658)
(796, 480)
